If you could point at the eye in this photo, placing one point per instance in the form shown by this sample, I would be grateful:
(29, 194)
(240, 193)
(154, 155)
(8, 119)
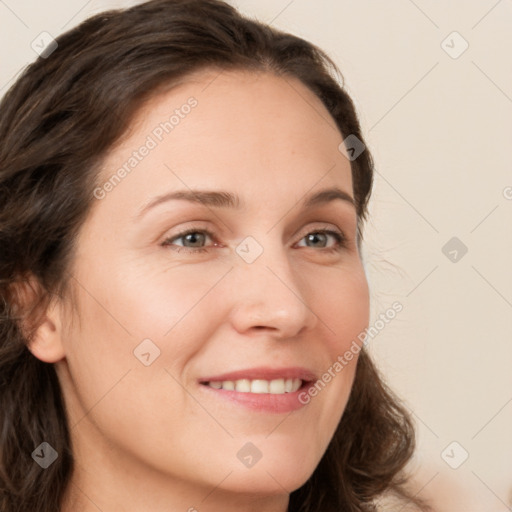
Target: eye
(321, 237)
(193, 240)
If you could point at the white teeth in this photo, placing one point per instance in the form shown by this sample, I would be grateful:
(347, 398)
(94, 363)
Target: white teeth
(229, 385)
(243, 385)
(276, 387)
(258, 386)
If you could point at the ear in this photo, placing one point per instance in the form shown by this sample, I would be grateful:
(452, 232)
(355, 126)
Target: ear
(40, 324)
(46, 343)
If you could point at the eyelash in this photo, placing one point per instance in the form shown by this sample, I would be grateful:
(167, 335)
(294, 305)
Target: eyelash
(338, 236)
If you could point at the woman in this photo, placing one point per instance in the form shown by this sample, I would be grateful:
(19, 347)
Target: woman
(183, 192)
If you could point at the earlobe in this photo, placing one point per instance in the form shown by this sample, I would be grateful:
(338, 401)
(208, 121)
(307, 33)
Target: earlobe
(41, 327)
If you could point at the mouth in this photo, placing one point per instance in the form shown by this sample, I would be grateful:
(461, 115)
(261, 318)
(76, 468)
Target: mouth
(261, 389)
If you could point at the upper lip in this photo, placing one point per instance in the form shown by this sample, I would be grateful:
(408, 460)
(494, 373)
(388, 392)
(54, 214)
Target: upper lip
(264, 373)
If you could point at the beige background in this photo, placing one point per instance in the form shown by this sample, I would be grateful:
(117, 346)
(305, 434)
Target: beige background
(440, 130)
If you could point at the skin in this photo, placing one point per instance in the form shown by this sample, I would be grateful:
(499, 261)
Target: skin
(147, 437)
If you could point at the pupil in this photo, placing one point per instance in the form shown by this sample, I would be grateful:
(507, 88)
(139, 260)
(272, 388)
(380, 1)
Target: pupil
(192, 237)
(315, 236)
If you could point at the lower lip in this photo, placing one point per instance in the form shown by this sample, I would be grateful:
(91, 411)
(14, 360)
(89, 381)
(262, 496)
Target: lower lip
(263, 402)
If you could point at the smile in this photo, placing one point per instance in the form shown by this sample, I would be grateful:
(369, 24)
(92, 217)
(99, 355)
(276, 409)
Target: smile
(262, 389)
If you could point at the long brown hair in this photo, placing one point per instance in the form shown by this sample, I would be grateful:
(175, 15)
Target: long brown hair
(57, 123)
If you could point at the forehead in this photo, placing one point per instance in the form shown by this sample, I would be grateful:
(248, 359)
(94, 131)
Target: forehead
(228, 130)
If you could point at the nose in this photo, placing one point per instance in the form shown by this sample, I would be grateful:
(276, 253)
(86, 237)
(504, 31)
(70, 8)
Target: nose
(270, 297)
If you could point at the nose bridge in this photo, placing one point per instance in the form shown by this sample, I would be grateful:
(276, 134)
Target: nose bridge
(267, 291)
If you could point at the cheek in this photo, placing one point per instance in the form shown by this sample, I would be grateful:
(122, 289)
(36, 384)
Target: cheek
(178, 309)
(344, 308)
(344, 312)
(165, 305)
(161, 298)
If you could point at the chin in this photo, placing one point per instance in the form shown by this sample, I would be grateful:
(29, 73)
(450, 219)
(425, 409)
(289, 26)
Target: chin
(267, 481)
(277, 471)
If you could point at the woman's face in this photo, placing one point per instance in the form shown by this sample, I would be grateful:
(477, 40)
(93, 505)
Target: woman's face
(253, 296)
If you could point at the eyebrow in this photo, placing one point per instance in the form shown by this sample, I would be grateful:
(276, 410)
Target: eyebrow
(223, 199)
